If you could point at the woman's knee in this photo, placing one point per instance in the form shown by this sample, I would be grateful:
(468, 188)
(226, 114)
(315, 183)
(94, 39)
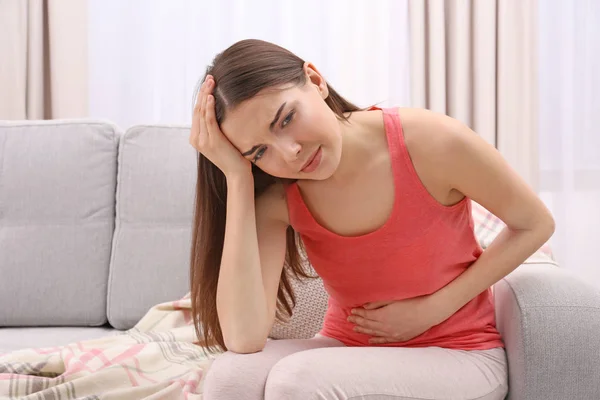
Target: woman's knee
(243, 376)
(234, 376)
(293, 377)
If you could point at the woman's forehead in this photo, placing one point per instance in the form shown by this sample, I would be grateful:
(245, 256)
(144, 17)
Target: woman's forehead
(254, 116)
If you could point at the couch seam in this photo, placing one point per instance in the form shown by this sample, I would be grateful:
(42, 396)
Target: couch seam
(117, 229)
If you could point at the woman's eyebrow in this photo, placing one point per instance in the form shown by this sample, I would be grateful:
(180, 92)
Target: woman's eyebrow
(277, 116)
(252, 150)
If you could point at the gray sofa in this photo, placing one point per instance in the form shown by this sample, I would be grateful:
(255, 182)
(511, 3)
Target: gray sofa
(95, 229)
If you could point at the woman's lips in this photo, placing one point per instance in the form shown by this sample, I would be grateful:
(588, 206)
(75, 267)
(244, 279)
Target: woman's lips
(313, 162)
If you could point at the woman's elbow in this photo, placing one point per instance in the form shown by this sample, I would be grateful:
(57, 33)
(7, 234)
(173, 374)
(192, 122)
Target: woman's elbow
(246, 346)
(548, 226)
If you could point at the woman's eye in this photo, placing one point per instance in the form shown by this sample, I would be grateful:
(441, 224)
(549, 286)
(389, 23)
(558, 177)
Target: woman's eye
(259, 154)
(287, 119)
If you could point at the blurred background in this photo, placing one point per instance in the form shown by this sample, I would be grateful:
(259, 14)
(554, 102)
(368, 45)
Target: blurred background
(519, 72)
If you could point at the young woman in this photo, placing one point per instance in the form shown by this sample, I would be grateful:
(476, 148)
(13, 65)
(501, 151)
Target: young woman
(380, 199)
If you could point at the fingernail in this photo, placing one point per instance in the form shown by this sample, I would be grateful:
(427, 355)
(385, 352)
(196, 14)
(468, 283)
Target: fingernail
(353, 311)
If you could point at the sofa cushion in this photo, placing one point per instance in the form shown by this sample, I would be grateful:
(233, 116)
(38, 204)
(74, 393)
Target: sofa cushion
(57, 188)
(12, 339)
(154, 210)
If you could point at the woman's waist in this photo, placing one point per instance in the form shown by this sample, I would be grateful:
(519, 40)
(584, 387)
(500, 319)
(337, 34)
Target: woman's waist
(345, 294)
(350, 286)
(474, 318)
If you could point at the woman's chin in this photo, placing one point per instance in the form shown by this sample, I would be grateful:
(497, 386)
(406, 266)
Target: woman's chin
(325, 172)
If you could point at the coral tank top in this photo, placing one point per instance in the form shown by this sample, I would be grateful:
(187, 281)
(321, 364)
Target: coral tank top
(422, 247)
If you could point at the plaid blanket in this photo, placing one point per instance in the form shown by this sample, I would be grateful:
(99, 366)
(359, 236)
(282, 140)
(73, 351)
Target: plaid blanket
(157, 359)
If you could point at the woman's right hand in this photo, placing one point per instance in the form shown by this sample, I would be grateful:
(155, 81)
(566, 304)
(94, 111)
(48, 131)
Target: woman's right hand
(208, 139)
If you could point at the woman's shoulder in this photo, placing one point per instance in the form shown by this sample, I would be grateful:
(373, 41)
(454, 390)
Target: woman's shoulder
(428, 131)
(422, 119)
(433, 143)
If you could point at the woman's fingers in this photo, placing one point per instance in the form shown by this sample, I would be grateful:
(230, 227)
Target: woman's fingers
(210, 116)
(196, 116)
(209, 140)
(198, 128)
(366, 323)
(206, 90)
(367, 331)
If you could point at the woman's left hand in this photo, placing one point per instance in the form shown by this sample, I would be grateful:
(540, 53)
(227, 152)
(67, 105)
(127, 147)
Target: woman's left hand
(397, 321)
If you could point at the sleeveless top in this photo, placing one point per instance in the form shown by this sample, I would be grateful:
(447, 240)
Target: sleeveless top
(422, 247)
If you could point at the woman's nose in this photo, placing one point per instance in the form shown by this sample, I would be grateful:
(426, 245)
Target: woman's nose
(291, 150)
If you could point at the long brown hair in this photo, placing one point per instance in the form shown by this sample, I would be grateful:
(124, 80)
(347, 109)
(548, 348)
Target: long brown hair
(240, 72)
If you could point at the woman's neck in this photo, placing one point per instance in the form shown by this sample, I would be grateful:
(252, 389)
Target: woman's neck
(362, 139)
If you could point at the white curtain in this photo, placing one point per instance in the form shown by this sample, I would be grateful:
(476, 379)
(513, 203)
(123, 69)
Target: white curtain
(569, 83)
(476, 61)
(43, 59)
(145, 56)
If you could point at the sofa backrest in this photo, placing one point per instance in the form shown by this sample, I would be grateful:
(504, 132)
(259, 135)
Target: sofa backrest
(95, 225)
(57, 190)
(154, 209)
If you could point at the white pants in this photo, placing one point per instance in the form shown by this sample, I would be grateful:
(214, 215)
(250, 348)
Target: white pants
(323, 368)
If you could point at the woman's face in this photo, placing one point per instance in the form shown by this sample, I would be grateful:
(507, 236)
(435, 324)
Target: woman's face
(288, 132)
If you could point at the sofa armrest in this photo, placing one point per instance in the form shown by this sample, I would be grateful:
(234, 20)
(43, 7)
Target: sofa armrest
(549, 319)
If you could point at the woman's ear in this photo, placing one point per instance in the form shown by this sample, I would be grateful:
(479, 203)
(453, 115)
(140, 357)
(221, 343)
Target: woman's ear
(315, 78)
